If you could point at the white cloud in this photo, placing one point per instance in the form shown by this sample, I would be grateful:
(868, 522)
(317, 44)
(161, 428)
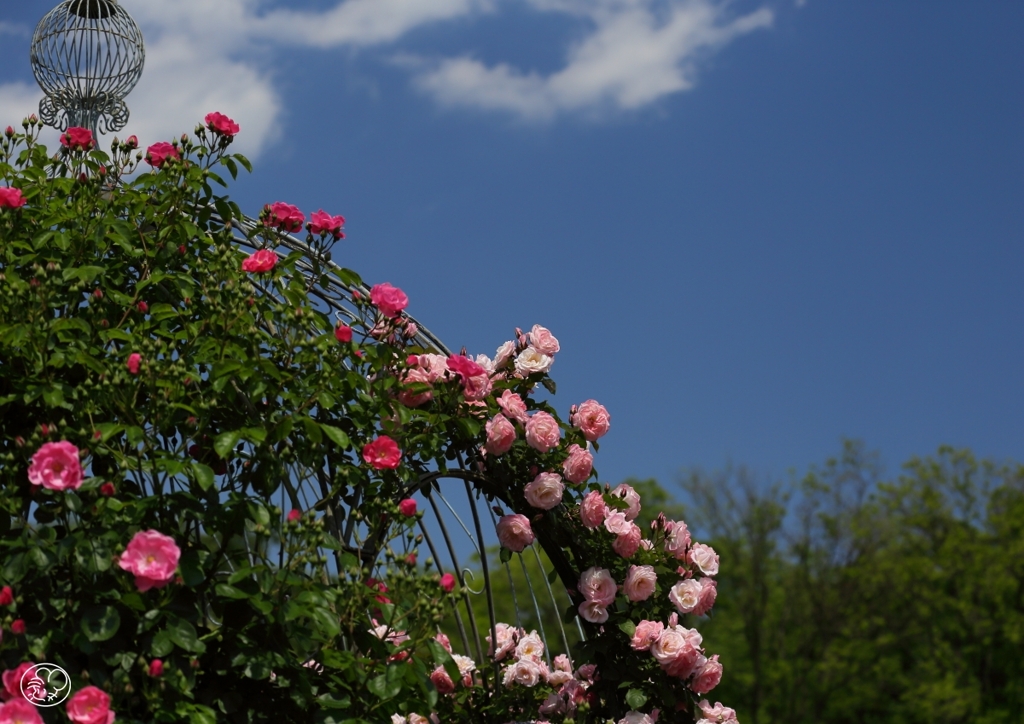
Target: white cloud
(634, 56)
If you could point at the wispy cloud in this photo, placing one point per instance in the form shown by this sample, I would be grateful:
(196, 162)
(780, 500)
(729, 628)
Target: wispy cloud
(203, 56)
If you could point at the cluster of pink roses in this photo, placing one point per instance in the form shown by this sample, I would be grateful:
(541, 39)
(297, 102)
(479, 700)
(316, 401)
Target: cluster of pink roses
(440, 678)
(288, 217)
(88, 705)
(678, 651)
(595, 512)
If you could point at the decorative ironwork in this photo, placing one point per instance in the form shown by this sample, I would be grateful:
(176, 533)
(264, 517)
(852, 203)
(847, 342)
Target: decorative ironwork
(87, 55)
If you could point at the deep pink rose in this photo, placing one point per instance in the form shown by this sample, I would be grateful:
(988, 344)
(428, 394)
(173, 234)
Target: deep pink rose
(543, 341)
(448, 582)
(705, 558)
(593, 509)
(77, 139)
(158, 153)
(464, 367)
(107, 489)
(343, 333)
(632, 498)
(597, 585)
(707, 677)
(545, 491)
(388, 299)
(324, 223)
(280, 215)
(647, 632)
(18, 626)
(134, 360)
(19, 711)
(593, 612)
(156, 667)
(579, 465)
(219, 123)
(542, 432)
(56, 466)
(514, 532)
(11, 198)
(441, 681)
(513, 406)
(294, 515)
(500, 435)
(685, 595)
(90, 705)
(415, 398)
(640, 583)
(708, 594)
(627, 543)
(12, 681)
(382, 453)
(592, 419)
(260, 262)
(152, 557)
(407, 507)
(6, 596)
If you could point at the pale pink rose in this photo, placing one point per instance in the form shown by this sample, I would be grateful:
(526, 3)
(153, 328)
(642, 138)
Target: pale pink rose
(685, 595)
(408, 397)
(598, 586)
(543, 341)
(530, 646)
(513, 406)
(419, 719)
(500, 435)
(557, 678)
(441, 681)
(506, 636)
(718, 714)
(579, 465)
(593, 509)
(586, 672)
(678, 540)
(545, 491)
(592, 419)
(707, 677)
(485, 362)
(708, 594)
(503, 355)
(442, 639)
(514, 532)
(524, 672)
(615, 522)
(636, 717)
(388, 299)
(542, 432)
(626, 544)
(632, 498)
(671, 644)
(593, 612)
(554, 704)
(90, 705)
(477, 387)
(562, 663)
(55, 466)
(531, 361)
(705, 558)
(435, 365)
(646, 544)
(640, 583)
(20, 711)
(152, 557)
(647, 632)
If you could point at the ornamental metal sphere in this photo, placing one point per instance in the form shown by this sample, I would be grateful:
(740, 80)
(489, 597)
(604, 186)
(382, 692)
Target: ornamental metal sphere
(87, 55)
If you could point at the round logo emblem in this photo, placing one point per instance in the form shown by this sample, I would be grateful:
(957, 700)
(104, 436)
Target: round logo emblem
(45, 684)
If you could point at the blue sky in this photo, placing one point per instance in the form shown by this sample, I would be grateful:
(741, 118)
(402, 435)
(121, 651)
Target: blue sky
(755, 227)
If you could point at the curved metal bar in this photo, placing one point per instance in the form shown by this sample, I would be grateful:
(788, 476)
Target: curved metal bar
(437, 562)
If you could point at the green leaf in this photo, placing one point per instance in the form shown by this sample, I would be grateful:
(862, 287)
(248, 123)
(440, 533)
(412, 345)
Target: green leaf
(227, 591)
(162, 644)
(338, 437)
(549, 384)
(388, 685)
(226, 442)
(505, 555)
(191, 569)
(204, 475)
(182, 633)
(636, 699)
(313, 430)
(628, 628)
(100, 623)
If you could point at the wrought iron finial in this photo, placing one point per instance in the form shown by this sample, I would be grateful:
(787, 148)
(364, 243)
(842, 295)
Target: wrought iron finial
(87, 55)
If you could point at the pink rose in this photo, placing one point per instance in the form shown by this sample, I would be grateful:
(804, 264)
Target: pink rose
(593, 509)
(322, 223)
(640, 583)
(382, 453)
(524, 672)
(707, 677)
(678, 540)
(294, 515)
(20, 711)
(152, 557)
(280, 215)
(156, 668)
(636, 717)
(411, 398)
(464, 367)
(56, 466)
(503, 354)
(718, 714)
(579, 465)
(592, 419)
(77, 139)
(545, 491)
(260, 262)
(448, 582)
(158, 153)
(514, 532)
(685, 595)
(506, 639)
(221, 124)
(530, 361)
(11, 198)
(632, 498)
(673, 644)
(134, 360)
(562, 663)
(445, 642)
(18, 626)
(543, 341)
(513, 406)
(597, 585)
(12, 680)
(615, 522)
(441, 681)
(542, 432)
(627, 543)
(435, 365)
(530, 646)
(477, 387)
(500, 435)
(647, 632)
(388, 299)
(90, 705)
(343, 333)
(6, 596)
(554, 704)
(708, 594)
(593, 612)
(705, 558)
(407, 507)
